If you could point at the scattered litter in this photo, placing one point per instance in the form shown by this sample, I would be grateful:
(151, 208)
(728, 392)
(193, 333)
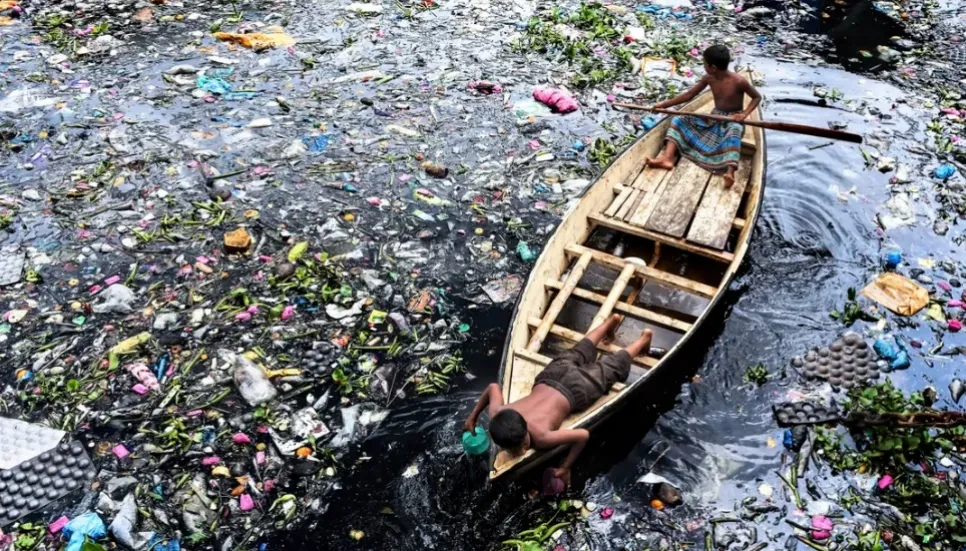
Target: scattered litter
(258, 41)
(556, 100)
(897, 293)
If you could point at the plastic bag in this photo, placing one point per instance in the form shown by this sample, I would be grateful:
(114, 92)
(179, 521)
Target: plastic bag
(88, 525)
(250, 379)
(116, 298)
(556, 99)
(123, 525)
(897, 293)
(258, 41)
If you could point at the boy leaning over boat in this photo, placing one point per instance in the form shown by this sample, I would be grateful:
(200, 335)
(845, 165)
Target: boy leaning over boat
(569, 384)
(711, 145)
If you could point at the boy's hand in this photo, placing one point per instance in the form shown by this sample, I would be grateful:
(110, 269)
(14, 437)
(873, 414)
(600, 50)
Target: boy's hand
(470, 425)
(563, 474)
(739, 117)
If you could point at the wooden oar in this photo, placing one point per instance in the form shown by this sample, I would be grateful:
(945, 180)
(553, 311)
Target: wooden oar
(770, 125)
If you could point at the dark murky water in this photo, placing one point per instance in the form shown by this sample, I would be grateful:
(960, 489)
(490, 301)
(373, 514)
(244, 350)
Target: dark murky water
(816, 237)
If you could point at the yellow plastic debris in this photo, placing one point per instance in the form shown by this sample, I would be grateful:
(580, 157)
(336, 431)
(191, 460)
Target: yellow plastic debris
(238, 240)
(935, 312)
(897, 293)
(275, 38)
(127, 346)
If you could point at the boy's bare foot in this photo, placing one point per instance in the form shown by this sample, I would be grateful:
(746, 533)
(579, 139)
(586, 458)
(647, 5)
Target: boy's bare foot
(612, 322)
(642, 345)
(645, 338)
(729, 180)
(659, 162)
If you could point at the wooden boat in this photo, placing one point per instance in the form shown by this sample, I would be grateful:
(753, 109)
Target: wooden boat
(692, 235)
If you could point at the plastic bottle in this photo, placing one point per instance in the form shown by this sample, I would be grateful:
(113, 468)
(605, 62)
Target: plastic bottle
(251, 380)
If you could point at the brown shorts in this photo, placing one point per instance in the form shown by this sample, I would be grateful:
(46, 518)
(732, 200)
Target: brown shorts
(577, 376)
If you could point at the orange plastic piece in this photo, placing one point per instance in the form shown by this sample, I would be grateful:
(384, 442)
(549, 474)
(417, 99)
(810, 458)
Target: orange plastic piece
(258, 41)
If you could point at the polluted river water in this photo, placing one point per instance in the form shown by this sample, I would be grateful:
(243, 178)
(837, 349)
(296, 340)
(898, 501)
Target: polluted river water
(127, 139)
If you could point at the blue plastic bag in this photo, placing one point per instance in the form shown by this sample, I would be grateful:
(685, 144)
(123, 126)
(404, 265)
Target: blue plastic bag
(901, 361)
(88, 525)
(157, 543)
(525, 252)
(944, 171)
(316, 144)
(220, 86)
(885, 350)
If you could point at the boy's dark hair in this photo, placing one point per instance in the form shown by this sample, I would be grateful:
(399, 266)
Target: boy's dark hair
(508, 429)
(717, 56)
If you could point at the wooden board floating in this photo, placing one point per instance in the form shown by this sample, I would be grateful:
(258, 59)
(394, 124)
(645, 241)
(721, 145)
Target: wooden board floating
(690, 234)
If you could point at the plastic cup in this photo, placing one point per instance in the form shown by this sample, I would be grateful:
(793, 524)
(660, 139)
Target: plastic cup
(476, 444)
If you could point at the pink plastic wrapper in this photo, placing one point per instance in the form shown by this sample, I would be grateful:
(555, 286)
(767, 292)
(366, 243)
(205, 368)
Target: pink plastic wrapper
(120, 451)
(556, 100)
(241, 438)
(884, 482)
(821, 528)
(606, 513)
(246, 503)
(288, 312)
(954, 304)
(260, 458)
(485, 87)
(140, 389)
(144, 375)
(211, 460)
(112, 280)
(944, 286)
(955, 325)
(58, 525)
(243, 316)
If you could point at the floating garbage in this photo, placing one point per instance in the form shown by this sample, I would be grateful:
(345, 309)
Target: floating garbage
(556, 100)
(897, 293)
(272, 38)
(944, 171)
(184, 179)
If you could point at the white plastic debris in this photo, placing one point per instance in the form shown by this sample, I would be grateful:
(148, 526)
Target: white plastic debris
(250, 379)
(115, 299)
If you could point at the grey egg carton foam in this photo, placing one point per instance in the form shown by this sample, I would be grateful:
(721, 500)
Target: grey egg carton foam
(11, 266)
(804, 413)
(845, 363)
(47, 471)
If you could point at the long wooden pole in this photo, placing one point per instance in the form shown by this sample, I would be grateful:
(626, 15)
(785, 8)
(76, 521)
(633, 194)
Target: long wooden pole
(770, 125)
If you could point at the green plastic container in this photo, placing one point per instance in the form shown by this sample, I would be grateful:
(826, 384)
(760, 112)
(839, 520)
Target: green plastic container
(476, 444)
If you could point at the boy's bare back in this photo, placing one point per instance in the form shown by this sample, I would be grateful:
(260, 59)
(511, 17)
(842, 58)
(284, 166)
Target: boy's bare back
(729, 90)
(544, 409)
